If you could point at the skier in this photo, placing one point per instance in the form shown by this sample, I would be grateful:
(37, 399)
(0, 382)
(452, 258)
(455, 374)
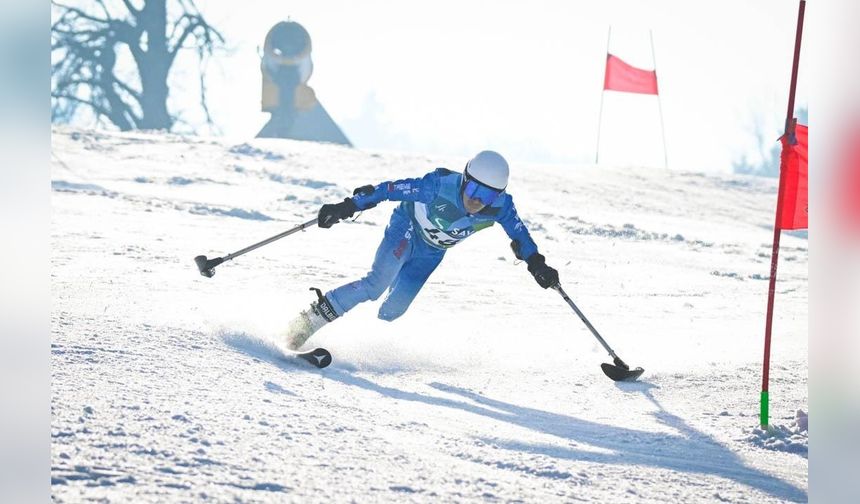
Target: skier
(437, 212)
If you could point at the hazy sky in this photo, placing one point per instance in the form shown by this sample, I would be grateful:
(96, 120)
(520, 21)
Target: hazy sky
(524, 78)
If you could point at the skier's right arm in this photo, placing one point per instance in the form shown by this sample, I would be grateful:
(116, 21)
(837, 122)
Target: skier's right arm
(422, 189)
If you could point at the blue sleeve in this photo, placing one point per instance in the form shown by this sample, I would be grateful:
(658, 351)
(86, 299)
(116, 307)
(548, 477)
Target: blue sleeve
(422, 189)
(516, 229)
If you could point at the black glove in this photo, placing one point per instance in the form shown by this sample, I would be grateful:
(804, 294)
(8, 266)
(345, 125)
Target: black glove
(331, 214)
(546, 276)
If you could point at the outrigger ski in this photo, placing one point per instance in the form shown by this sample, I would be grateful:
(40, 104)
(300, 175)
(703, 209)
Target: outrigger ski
(621, 371)
(318, 357)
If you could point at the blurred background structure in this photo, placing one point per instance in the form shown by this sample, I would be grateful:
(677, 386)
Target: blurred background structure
(286, 67)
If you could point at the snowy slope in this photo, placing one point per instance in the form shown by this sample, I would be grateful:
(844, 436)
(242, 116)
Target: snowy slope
(168, 386)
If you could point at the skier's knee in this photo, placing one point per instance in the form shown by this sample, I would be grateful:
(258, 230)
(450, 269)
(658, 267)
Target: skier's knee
(373, 286)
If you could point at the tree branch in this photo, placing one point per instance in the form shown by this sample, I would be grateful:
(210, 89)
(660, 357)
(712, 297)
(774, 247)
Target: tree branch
(203, 104)
(63, 84)
(130, 35)
(98, 109)
(131, 8)
(67, 83)
(104, 9)
(80, 13)
(189, 6)
(194, 21)
(130, 90)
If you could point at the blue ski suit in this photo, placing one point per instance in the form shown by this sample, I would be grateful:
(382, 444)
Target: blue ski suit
(430, 220)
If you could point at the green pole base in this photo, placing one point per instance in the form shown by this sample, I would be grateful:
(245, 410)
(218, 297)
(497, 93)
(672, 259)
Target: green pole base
(764, 409)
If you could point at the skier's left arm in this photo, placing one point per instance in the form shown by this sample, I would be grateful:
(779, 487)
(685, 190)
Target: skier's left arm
(524, 247)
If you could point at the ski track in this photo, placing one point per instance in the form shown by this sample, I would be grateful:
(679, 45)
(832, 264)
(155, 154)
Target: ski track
(167, 386)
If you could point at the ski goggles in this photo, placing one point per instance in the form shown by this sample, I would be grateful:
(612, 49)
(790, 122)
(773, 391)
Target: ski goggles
(473, 189)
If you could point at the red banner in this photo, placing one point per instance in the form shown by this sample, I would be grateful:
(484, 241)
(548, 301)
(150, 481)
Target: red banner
(628, 79)
(795, 181)
(848, 180)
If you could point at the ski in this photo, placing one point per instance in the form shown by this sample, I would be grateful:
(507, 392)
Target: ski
(318, 357)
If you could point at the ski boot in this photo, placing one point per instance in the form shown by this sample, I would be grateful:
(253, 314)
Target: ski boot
(309, 321)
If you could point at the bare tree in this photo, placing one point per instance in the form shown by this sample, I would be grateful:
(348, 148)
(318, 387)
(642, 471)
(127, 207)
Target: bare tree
(85, 47)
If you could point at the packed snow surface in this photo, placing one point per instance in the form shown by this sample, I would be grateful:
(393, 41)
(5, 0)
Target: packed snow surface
(168, 386)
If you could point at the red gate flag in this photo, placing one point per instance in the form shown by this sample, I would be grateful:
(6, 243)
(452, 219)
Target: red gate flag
(628, 79)
(794, 171)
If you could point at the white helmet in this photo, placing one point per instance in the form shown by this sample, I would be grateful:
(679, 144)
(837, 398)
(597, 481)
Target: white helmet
(490, 169)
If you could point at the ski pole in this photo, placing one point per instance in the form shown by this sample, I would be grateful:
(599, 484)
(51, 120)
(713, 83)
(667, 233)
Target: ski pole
(620, 371)
(207, 266)
(590, 327)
